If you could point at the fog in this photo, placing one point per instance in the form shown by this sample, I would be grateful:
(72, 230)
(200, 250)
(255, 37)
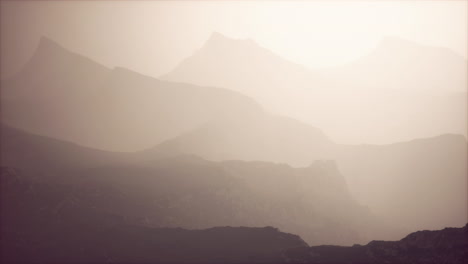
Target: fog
(166, 123)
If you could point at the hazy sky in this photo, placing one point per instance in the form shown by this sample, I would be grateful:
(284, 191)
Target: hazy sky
(152, 37)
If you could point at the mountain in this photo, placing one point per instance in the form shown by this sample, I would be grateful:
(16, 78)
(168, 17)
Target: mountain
(244, 66)
(67, 96)
(158, 190)
(442, 246)
(412, 90)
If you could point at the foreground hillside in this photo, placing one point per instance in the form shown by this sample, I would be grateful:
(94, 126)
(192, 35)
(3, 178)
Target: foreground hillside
(43, 223)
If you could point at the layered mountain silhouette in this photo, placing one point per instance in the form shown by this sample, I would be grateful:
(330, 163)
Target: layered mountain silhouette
(63, 95)
(410, 89)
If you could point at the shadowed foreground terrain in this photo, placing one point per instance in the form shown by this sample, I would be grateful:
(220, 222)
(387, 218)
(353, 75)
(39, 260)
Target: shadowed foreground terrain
(71, 232)
(61, 203)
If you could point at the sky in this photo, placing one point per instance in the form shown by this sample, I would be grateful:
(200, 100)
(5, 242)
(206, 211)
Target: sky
(152, 37)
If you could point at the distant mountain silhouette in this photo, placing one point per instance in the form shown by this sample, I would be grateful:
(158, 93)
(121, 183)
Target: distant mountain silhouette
(410, 89)
(67, 96)
(186, 191)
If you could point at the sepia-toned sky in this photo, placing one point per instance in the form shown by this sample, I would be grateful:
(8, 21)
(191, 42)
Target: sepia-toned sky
(152, 37)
